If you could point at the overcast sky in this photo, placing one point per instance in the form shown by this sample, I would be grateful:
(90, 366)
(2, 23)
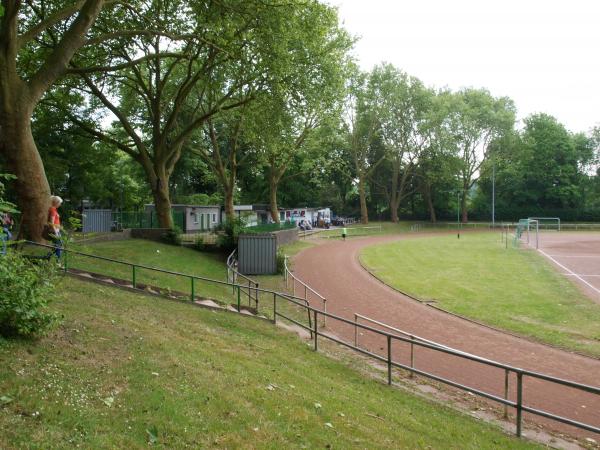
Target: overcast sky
(544, 54)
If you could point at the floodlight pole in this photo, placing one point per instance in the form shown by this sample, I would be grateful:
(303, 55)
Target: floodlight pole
(458, 214)
(493, 195)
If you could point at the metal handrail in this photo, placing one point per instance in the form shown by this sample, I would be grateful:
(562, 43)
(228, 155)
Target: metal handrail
(288, 273)
(413, 340)
(235, 274)
(134, 266)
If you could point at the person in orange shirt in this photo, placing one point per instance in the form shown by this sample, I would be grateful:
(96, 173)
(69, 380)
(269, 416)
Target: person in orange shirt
(54, 223)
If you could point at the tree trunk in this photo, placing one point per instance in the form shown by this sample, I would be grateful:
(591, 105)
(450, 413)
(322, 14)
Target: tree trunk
(463, 207)
(162, 201)
(229, 208)
(394, 200)
(273, 185)
(23, 160)
(364, 213)
(429, 200)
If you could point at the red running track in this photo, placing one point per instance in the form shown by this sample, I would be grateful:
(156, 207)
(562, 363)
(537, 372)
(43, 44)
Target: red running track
(334, 270)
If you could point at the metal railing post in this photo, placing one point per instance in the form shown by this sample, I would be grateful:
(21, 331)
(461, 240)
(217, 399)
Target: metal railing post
(315, 330)
(239, 299)
(412, 355)
(389, 358)
(305, 293)
(133, 276)
(325, 311)
(274, 308)
(66, 260)
(256, 295)
(506, 374)
(355, 330)
(519, 402)
(249, 293)
(193, 294)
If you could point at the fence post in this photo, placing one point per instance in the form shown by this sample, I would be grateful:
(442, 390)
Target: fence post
(274, 308)
(256, 296)
(249, 293)
(305, 293)
(355, 330)
(193, 294)
(506, 373)
(389, 358)
(66, 259)
(412, 355)
(325, 311)
(239, 299)
(519, 402)
(315, 330)
(133, 276)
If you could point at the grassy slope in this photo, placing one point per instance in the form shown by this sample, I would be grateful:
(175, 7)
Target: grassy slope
(122, 364)
(183, 260)
(154, 254)
(475, 276)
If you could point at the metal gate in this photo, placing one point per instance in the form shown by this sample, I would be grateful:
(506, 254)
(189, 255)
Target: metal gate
(257, 254)
(97, 220)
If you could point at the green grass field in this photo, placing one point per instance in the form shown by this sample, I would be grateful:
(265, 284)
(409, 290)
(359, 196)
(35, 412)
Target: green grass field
(126, 370)
(183, 260)
(516, 290)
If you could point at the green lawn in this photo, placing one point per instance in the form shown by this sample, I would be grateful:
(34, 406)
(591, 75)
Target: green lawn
(183, 260)
(158, 255)
(477, 277)
(125, 370)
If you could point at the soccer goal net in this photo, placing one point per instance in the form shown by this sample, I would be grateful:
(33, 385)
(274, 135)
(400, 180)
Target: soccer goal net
(527, 230)
(547, 223)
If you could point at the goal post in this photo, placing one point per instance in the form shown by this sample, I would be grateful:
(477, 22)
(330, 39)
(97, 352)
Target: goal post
(527, 227)
(547, 223)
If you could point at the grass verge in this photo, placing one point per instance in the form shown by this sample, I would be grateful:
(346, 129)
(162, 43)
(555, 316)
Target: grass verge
(125, 371)
(477, 277)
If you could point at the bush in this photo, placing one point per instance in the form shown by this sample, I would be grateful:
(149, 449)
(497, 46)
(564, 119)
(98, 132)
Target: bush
(280, 263)
(25, 291)
(172, 236)
(232, 229)
(199, 243)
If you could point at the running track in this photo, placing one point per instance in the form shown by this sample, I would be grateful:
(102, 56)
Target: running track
(334, 270)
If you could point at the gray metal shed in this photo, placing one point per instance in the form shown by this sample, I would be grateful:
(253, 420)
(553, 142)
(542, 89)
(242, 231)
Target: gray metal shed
(257, 254)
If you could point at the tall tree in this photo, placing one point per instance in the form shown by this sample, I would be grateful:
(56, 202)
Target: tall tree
(223, 147)
(476, 119)
(402, 109)
(37, 42)
(362, 128)
(438, 161)
(201, 59)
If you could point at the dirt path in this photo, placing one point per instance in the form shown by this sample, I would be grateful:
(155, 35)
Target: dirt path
(334, 270)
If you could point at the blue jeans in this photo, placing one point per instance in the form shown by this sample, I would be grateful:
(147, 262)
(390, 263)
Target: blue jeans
(58, 245)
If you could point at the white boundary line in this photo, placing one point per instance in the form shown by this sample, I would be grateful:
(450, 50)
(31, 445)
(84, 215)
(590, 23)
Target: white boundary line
(568, 270)
(575, 256)
(579, 274)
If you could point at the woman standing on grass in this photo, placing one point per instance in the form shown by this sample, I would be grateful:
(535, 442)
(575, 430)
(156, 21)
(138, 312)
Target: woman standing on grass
(54, 224)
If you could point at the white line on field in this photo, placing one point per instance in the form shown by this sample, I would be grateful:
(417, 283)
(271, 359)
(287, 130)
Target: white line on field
(568, 270)
(578, 275)
(575, 256)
